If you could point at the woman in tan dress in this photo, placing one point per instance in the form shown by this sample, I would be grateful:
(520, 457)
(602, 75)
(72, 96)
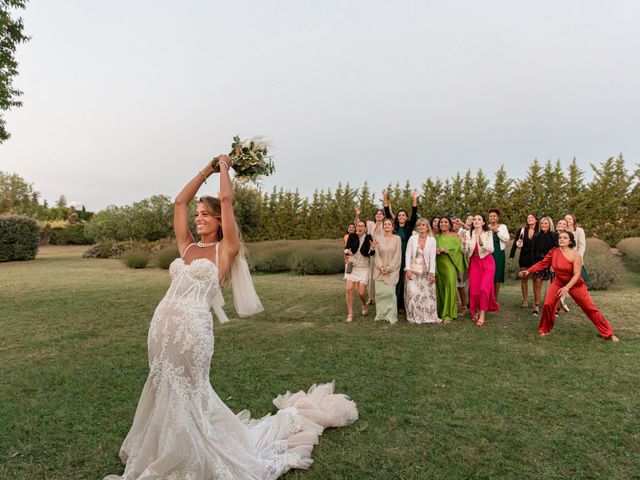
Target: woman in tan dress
(387, 272)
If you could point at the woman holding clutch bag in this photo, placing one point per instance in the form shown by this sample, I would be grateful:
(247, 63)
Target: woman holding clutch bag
(525, 241)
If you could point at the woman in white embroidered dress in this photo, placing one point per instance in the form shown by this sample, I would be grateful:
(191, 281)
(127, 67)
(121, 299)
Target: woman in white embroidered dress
(182, 430)
(420, 270)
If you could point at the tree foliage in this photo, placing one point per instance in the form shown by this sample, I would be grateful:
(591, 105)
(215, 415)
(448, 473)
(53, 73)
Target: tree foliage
(11, 35)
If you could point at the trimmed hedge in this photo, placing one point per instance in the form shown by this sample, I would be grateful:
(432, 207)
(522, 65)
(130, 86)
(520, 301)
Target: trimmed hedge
(305, 257)
(19, 238)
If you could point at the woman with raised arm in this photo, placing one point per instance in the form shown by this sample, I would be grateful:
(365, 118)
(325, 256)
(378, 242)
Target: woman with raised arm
(182, 429)
(404, 226)
(567, 265)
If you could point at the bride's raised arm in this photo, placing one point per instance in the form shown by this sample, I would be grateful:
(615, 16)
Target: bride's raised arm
(230, 244)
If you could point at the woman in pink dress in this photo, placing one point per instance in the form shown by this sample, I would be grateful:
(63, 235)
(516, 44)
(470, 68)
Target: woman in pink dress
(567, 265)
(482, 268)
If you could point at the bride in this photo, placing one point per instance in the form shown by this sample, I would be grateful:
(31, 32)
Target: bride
(182, 430)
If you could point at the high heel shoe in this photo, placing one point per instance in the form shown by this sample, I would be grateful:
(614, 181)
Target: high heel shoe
(480, 322)
(536, 310)
(349, 318)
(365, 311)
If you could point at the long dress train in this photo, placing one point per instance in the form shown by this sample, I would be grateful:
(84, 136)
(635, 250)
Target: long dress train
(182, 430)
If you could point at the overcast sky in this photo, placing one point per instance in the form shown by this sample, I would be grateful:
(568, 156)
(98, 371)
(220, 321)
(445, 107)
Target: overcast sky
(126, 99)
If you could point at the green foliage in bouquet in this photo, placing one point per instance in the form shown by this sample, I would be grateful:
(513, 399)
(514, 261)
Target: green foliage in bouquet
(251, 158)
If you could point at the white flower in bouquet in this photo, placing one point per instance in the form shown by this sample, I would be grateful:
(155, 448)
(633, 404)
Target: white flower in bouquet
(251, 158)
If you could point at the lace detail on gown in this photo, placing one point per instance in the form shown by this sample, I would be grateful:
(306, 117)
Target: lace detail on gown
(183, 430)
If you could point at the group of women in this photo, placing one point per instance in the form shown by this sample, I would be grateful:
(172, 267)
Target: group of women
(433, 271)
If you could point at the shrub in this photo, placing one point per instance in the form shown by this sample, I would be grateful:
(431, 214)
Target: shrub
(19, 238)
(136, 259)
(309, 261)
(164, 257)
(70, 235)
(99, 250)
(603, 267)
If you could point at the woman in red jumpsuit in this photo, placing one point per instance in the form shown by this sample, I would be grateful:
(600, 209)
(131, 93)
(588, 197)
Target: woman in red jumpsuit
(567, 265)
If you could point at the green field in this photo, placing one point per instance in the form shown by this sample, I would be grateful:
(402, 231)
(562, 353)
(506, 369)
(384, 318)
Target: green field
(436, 402)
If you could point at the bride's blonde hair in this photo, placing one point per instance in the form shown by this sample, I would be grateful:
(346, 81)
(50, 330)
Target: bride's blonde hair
(212, 204)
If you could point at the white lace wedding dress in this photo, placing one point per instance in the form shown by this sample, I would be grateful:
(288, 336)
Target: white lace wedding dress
(183, 431)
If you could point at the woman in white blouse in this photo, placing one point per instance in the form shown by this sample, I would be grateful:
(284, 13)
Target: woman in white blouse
(500, 239)
(420, 274)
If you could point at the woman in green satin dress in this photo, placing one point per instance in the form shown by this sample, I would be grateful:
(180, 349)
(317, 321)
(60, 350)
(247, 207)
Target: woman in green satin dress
(450, 262)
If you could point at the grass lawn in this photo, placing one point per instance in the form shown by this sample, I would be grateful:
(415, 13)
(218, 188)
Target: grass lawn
(435, 401)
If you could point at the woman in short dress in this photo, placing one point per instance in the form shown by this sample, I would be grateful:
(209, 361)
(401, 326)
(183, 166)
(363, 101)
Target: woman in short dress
(420, 292)
(544, 242)
(373, 228)
(357, 269)
(525, 239)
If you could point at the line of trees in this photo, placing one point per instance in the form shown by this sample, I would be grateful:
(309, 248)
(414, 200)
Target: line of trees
(608, 206)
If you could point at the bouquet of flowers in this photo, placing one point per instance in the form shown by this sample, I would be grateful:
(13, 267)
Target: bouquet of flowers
(250, 158)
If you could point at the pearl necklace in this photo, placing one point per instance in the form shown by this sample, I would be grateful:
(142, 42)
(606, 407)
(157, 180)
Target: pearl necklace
(205, 245)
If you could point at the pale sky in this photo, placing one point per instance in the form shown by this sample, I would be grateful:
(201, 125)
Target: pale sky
(126, 99)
